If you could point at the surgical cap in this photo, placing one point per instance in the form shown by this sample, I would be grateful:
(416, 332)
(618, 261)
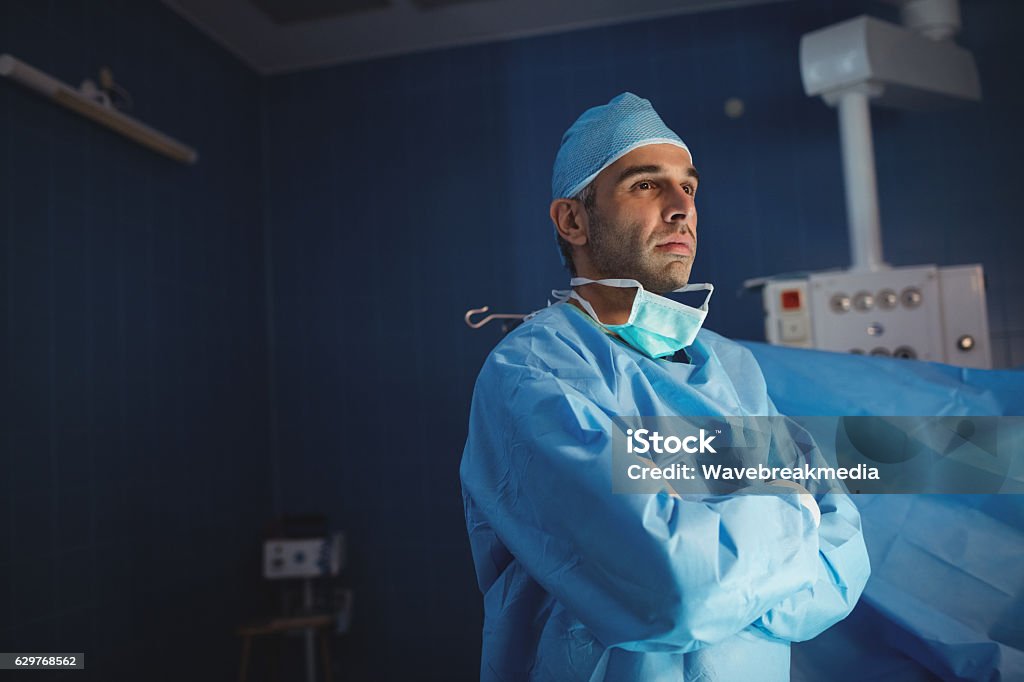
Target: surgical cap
(602, 136)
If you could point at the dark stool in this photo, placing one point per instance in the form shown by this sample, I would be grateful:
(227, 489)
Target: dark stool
(282, 626)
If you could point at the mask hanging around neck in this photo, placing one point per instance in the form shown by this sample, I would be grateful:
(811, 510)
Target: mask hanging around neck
(657, 326)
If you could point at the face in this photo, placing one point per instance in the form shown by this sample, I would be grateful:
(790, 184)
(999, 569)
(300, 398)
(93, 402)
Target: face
(644, 222)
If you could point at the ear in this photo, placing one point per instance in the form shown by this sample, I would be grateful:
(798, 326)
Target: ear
(570, 221)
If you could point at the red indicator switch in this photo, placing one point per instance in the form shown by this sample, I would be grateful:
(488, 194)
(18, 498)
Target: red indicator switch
(791, 299)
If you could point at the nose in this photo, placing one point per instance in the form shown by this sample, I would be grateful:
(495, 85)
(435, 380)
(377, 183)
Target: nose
(679, 205)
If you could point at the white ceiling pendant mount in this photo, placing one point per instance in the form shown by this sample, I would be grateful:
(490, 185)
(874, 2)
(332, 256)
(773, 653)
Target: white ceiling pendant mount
(865, 61)
(93, 104)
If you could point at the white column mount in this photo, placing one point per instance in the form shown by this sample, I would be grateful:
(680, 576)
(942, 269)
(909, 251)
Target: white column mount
(936, 19)
(858, 151)
(862, 62)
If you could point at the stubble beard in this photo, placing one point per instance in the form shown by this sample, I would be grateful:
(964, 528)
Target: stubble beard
(616, 251)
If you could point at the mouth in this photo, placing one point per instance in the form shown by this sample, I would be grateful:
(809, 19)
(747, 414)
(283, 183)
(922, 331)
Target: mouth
(676, 246)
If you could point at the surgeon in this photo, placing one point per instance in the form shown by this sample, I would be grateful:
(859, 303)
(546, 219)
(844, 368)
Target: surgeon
(579, 582)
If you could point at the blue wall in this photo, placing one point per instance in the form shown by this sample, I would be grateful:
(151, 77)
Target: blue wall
(405, 191)
(135, 472)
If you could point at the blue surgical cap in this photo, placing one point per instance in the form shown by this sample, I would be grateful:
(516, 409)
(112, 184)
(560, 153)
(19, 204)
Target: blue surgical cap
(602, 136)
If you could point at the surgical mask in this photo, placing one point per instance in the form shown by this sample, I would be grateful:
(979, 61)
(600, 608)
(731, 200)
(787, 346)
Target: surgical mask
(657, 326)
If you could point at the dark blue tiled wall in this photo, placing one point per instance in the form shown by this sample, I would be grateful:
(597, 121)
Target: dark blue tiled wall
(407, 190)
(135, 474)
(396, 194)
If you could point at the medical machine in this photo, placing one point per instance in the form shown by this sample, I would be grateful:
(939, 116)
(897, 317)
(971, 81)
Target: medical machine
(923, 312)
(303, 557)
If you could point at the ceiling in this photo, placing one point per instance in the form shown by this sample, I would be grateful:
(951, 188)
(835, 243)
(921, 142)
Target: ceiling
(281, 36)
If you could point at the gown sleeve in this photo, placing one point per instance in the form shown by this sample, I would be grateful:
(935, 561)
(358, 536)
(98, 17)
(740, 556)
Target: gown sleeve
(644, 572)
(842, 571)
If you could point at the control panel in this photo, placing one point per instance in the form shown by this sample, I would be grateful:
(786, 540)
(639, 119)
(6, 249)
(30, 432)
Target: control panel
(919, 312)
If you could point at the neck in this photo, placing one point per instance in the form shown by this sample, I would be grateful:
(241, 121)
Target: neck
(612, 304)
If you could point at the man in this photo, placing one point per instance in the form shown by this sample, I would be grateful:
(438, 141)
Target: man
(581, 583)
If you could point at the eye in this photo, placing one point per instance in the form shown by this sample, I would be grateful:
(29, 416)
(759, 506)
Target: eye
(644, 185)
(690, 189)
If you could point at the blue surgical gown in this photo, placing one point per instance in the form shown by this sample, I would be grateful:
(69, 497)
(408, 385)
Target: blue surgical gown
(580, 583)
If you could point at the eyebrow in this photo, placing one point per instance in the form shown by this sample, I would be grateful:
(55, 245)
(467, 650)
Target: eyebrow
(649, 170)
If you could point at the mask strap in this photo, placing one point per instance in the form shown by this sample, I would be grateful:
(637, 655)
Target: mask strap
(586, 306)
(699, 287)
(615, 282)
(612, 282)
(560, 295)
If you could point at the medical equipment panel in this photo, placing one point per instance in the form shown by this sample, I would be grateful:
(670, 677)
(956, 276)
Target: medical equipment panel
(920, 312)
(303, 557)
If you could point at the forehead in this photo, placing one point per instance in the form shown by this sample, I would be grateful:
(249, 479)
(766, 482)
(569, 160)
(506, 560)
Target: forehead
(669, 157)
